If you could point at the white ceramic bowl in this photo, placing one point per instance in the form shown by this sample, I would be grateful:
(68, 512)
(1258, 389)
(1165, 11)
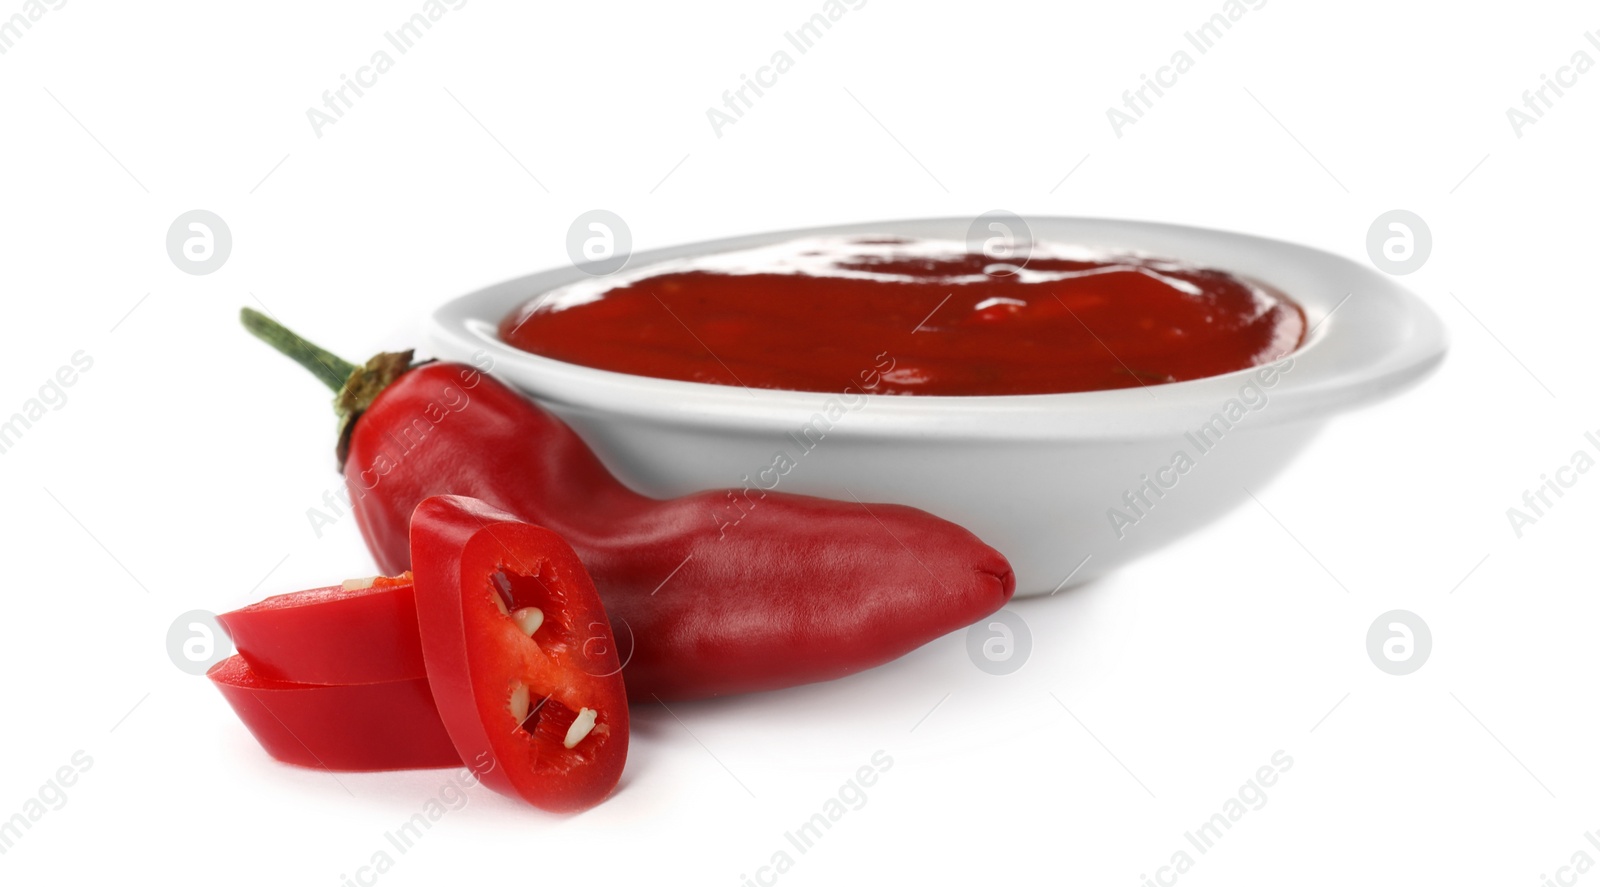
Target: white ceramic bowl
(1036, 476)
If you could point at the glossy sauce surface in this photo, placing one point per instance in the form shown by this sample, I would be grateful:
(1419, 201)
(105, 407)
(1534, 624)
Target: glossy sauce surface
(899, 316)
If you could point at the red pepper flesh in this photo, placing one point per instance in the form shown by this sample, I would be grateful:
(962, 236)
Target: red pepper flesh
(385, 726)
(333, 635)
(520, 657)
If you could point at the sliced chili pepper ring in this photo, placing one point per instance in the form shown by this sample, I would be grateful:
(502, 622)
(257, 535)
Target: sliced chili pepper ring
(361, 632)
(385, 726)
(519, 654)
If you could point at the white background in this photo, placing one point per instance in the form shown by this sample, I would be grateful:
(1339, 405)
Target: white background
(178, 474)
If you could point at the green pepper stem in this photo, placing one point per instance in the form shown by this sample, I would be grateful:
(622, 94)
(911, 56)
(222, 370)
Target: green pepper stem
(332, 369)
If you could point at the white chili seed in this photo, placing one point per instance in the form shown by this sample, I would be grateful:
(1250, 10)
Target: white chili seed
(528, 619)
(519, 703)
(581, 725)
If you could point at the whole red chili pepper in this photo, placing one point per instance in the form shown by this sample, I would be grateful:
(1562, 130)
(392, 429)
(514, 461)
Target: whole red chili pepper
(801, 589)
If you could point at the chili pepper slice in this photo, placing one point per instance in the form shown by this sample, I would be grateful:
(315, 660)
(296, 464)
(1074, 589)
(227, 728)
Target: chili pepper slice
(361, 632)
(519, 654)
(385, 726)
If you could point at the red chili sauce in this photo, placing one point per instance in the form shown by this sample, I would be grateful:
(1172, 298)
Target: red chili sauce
(821, 314)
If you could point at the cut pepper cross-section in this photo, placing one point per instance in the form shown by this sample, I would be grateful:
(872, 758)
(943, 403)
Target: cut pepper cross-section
(550, 707)
(363, 631)
(519, 654)
(391, 725)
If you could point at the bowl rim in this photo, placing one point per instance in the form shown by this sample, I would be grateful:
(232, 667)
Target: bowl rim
(1367, 337)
